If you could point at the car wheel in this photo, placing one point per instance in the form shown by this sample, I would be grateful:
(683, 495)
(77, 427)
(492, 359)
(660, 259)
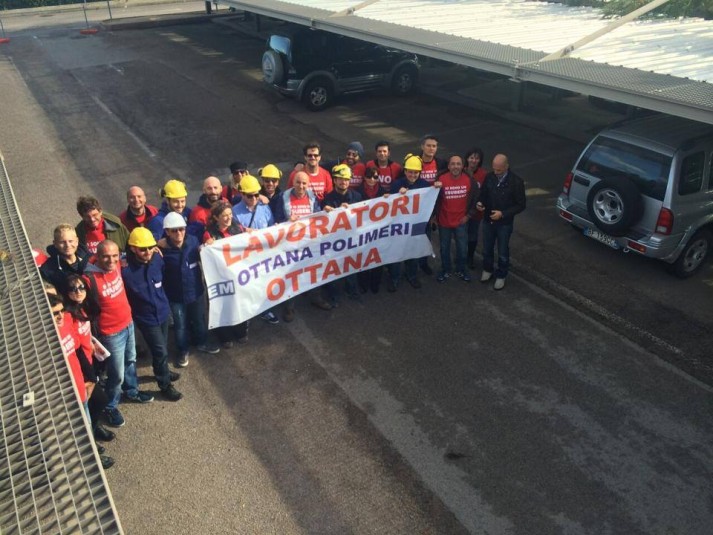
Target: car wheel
(614, 205)
(318, 94)
(272, 71)
(404, 81)
(693, 254)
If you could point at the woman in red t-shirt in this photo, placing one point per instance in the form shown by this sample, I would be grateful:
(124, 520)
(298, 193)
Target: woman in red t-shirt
(474, 168)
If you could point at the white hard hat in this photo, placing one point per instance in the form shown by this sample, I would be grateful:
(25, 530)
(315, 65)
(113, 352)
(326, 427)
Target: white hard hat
(174, 220)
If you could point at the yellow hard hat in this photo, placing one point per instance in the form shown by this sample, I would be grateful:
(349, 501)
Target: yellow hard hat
(270, 171)
(174, 189)
(249, 185)
(341, 171)
(413, 163)
(141, 237)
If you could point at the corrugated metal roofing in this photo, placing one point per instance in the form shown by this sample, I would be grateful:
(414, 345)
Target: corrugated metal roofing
(682, 47)
(663, 65)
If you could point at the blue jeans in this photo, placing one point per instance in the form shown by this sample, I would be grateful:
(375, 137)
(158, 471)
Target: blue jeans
(460, 234)
(121, 366)
(500, 233)
(156, 337)
(189, 317)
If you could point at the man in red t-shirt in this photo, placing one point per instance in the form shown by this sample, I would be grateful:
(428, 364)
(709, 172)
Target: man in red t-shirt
(432, 166)
(137, 213)
(454, 209)
(116, 330)
(295, 203)
(320, 180)
(388, 171)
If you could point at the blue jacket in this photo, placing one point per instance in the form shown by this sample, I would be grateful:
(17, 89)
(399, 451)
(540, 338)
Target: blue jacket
(404, 183)
(183, 282)
(144, 288)
(336, 199)
(156, 223)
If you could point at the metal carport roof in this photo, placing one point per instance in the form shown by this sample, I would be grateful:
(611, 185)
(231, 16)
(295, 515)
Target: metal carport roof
(662, 65)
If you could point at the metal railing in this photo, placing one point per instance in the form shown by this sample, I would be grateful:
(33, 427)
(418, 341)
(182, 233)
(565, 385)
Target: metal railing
(51, 480)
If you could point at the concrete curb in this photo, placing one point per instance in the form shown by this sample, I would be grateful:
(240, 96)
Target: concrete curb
(115, 4)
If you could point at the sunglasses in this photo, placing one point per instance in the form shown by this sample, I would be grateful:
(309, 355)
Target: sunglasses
(252, 195)
(77, 289)
(312, 156)
(144, 249)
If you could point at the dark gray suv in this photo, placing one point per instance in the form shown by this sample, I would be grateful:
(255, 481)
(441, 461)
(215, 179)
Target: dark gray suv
(315, 66)
(647, 186)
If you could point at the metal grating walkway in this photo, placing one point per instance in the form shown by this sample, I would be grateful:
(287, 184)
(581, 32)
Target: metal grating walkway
(51, 480)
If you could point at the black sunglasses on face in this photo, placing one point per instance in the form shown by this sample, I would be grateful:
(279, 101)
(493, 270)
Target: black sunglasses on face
(76, 289)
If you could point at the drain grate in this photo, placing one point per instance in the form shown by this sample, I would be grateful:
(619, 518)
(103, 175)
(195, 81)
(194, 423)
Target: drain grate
(50, 478)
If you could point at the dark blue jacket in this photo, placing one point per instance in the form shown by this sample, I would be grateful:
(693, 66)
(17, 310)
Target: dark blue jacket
(508, 197)
(56, 270)
(336, 199)
(144, 288)
(182, 278)
(156, 223)
(404, 183)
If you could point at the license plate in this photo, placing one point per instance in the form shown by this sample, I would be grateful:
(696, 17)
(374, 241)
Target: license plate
(601, 237)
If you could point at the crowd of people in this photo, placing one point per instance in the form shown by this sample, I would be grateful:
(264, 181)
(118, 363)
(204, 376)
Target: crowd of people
(109, 275)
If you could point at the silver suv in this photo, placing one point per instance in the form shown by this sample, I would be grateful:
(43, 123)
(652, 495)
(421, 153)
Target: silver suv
(646, 186)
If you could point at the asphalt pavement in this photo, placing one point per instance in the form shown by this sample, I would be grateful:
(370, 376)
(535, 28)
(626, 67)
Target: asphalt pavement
(447, 410)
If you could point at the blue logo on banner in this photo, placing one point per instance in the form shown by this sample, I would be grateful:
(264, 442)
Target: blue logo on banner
(221, 289)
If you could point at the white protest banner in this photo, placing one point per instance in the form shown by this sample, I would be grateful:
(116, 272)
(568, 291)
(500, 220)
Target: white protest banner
(250, 273)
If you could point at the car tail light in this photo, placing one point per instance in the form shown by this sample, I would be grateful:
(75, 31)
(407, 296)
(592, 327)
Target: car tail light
(567, 183)
(565, 214)
(664, 224)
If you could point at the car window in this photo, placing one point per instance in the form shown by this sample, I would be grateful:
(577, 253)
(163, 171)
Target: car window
(612, 159)
(691, 173)
(710, 173)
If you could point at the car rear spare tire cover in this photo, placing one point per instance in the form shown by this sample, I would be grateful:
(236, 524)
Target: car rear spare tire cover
(614, 205)
(272, 71)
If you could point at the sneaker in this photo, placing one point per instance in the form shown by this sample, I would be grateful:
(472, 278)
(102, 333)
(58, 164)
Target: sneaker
(499, 284)
(101, 449)
(182, 360)
(103, 434)
(170, 393)
(139, 397)
(463, 275)
(415, 283)
(427, 269)
(270, 317)
(107, 462)
(113, 417)
(211, 349)
(443, 277)
(289, 315)
(390, 286)
(173, 376)
(485, 277)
